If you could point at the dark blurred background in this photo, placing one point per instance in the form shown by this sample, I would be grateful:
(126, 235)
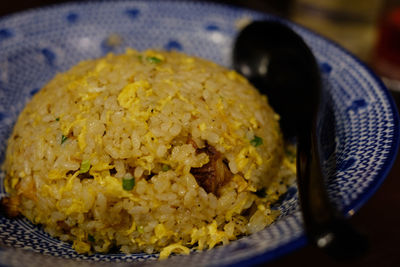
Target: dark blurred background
(371, 30)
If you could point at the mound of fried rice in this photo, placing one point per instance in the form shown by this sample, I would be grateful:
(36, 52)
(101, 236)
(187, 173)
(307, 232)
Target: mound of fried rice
(146, 152)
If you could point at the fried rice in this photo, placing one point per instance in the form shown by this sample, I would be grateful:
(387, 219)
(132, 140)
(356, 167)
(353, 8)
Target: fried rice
(147, 151)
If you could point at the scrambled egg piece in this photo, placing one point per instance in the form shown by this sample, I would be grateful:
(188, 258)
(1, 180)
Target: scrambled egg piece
(177, 247)
(127, 98)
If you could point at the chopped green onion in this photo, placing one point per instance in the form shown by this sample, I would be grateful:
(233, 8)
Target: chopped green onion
(153, 59)
(290, 154)
(91, 238)
(165, 167)
(63, 139)
(85, 166)
(58, 119)
(140, 229)
(256, 141)
(128, 183)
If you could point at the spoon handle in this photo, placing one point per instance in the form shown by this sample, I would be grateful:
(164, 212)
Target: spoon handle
(325, 226)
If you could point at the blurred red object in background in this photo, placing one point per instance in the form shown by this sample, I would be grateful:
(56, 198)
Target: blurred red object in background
(386, 59)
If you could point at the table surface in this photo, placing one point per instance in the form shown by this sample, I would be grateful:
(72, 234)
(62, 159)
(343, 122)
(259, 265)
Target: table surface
(377, 219)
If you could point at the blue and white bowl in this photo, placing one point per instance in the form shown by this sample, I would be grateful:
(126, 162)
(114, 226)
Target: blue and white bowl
(359, 130)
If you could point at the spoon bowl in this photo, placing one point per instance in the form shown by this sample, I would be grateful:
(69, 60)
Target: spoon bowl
(278, 62)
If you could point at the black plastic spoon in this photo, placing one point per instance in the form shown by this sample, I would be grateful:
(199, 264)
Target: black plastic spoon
(277, 61)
